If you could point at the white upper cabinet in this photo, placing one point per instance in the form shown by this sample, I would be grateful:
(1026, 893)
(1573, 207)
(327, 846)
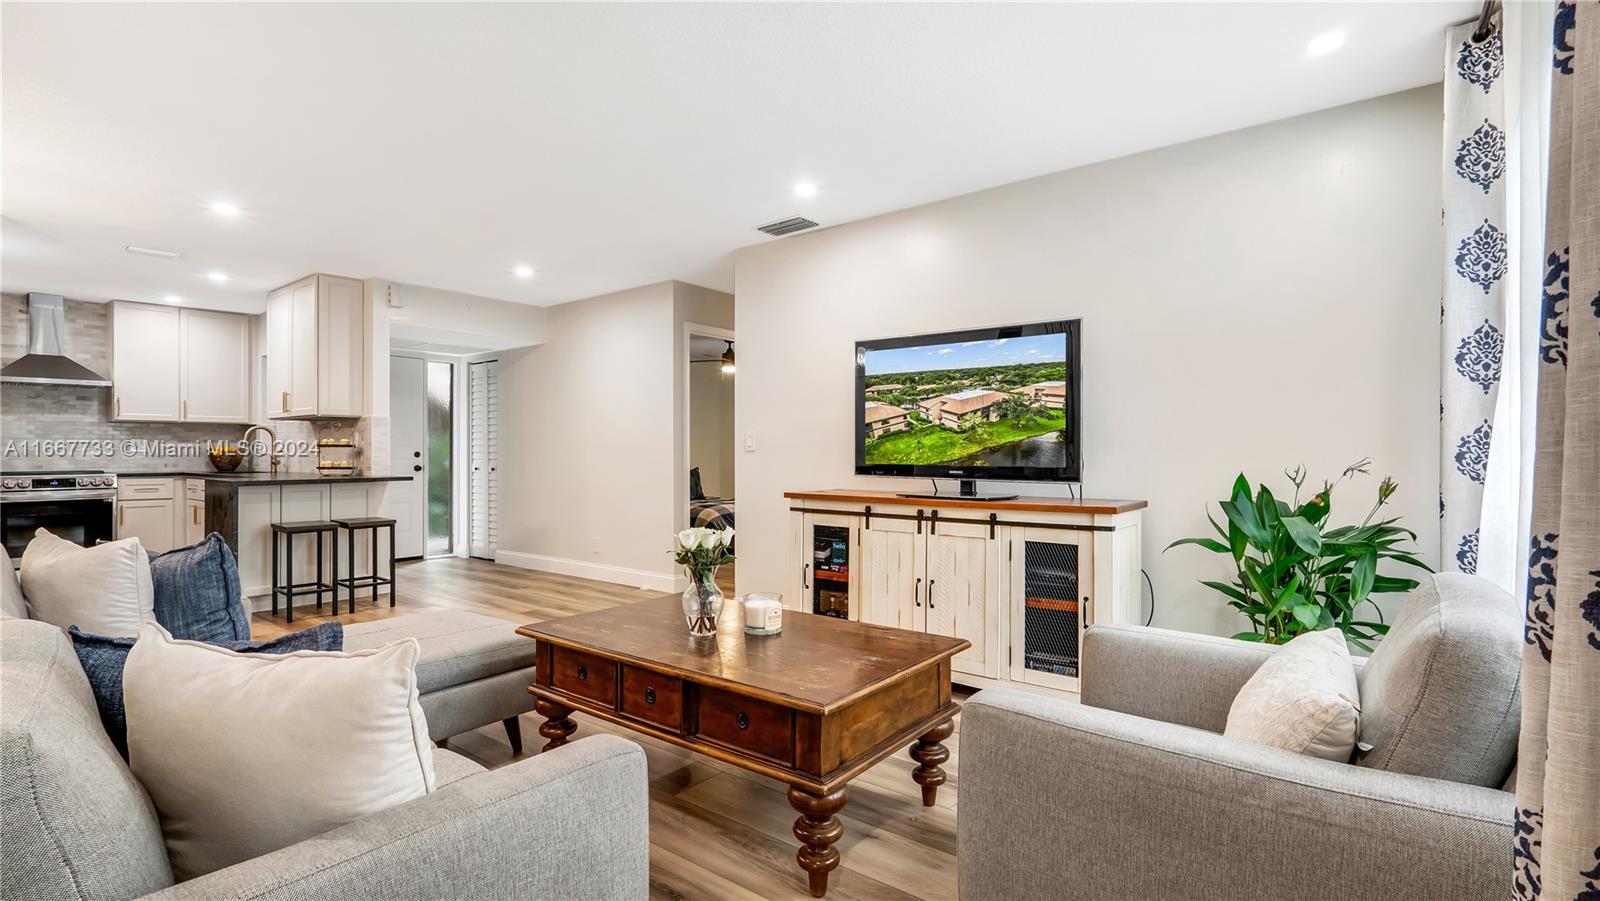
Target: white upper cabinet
(316, 345)
(174, 365)
(146, 363)
(216, 366)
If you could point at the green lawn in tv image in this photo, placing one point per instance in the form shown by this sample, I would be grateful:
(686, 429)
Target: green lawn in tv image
(978, 409)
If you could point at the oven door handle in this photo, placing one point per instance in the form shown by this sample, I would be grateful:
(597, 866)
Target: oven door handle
(45, 497)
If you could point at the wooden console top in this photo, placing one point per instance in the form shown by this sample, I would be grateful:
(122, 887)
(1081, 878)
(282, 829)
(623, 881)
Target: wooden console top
(1030, 504)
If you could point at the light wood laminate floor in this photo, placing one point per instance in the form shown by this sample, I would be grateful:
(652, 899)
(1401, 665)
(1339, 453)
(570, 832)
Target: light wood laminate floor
(716, 831)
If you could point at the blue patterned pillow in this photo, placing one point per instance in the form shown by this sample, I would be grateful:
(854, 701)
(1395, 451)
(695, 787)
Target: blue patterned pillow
(197, 592)
(103, 659)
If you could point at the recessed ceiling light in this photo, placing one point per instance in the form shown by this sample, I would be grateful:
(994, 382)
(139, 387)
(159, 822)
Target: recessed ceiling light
(218, 277)
(224, 208)
(172, 298)
(522, 271)
(805, 189)
(1324, 44)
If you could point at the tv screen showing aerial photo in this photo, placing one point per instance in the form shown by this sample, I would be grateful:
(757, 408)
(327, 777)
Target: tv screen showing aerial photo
(999, 402)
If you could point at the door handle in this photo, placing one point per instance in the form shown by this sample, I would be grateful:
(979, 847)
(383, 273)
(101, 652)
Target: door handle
(916, 593)
(805, 576)
(930, 594)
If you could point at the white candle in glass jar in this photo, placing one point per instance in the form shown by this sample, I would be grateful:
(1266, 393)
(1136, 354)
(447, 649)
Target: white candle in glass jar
(763, 613)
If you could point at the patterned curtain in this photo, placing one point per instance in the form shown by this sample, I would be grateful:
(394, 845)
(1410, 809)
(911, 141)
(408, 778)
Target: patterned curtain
(1557, 842)
(1472, 310)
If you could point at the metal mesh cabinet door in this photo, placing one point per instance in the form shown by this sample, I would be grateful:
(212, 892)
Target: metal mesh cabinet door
(1050, 585)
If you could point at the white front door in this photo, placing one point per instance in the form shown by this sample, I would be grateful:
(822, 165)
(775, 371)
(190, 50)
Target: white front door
(484, 387)
(408, 422)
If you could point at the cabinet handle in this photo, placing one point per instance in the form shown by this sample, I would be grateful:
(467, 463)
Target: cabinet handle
(583, 673)
(930, 594)
(121, 513)
(285, 403)
(183, 409)
(805, 576)
(916, 593)
(742, 720)
(649, 695)
(119, 406)
(195, 511)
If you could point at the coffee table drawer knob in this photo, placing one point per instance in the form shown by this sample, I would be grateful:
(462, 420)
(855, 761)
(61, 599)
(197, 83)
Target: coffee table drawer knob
(649, 695)
(583, 673)
(743, 719)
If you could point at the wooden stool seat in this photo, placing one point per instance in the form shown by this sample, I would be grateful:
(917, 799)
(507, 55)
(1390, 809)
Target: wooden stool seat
(352, 525)
(283, 580)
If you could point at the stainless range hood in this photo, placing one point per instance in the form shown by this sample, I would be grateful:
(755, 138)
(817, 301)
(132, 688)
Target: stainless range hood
(44, 363)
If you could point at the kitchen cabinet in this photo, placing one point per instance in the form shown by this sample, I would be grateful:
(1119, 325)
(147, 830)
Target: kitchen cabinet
(194, 523)
(1019, 579)
(146, 363)
(146, 509)
(216, 366)
(176, 365)
(316, 349)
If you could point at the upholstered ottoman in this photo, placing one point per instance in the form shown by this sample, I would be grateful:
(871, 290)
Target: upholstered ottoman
(473, 670)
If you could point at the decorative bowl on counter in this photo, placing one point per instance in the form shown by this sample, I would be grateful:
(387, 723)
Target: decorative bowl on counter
(225, 458)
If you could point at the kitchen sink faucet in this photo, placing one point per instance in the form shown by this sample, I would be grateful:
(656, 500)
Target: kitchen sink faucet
(272, 444)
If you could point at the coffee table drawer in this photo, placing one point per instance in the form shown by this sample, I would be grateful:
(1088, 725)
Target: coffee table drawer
(585, 675)
(747, 724)
(652, 697)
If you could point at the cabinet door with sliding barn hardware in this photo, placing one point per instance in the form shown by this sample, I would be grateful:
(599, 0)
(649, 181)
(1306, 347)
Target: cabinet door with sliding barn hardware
(963, 584)
(1051, 601)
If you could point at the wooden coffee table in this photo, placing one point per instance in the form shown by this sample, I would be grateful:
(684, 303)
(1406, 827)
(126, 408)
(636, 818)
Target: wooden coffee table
(812, 707)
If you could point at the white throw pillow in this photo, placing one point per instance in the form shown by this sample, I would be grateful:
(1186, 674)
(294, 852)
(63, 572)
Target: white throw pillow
(1303, 699)
(244, 754)
(103, 590)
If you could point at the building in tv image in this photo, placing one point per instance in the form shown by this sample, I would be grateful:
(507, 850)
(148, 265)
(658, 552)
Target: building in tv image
(998, 402)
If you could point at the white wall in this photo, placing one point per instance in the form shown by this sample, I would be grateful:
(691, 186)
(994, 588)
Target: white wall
(589, 441)
(1250, 301)
(460, 323)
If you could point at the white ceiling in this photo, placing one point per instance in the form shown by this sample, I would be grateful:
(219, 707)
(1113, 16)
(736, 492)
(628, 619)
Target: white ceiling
(607, 145)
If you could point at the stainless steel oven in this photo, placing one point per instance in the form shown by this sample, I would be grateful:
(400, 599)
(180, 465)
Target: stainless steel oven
(80, 506)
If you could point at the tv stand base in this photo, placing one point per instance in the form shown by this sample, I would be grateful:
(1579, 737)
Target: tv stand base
(967, 492)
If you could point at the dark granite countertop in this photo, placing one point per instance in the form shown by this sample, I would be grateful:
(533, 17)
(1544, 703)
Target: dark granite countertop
(262, 478)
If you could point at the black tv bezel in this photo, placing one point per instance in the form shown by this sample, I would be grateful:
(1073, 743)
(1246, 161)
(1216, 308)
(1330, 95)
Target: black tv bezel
(1072, 471)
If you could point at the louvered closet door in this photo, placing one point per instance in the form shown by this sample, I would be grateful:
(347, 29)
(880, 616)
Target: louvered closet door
(485, 424)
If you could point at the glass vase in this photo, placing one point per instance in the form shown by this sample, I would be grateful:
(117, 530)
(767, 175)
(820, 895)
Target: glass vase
(702, 602)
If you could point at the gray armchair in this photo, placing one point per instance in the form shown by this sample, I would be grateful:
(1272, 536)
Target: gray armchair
(1134, 793)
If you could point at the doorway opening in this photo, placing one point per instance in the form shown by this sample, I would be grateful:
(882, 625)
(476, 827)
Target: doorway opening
(422, 423)
(710, 431)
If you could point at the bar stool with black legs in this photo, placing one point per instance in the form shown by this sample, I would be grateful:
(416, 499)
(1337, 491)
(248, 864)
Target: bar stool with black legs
(352, 525)
(283, 580)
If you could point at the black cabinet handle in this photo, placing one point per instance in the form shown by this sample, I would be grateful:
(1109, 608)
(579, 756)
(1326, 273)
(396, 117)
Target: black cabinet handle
(649, 695)
(916, 593)
(583, 673)
(416, 469)
(417, 454)
(930, 594)
(743, 720)
(805, 576)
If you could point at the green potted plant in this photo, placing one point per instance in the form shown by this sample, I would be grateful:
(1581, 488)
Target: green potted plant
(1298, 573)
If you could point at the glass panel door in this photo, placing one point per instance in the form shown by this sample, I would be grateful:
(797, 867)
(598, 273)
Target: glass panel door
(440, 395)
(1050, 584)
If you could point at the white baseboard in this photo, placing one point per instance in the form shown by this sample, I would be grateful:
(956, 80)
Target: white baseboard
(601, 572)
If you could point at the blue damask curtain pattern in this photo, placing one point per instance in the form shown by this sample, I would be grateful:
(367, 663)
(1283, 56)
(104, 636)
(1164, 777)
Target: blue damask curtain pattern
(1472, 310)
(1557, 841)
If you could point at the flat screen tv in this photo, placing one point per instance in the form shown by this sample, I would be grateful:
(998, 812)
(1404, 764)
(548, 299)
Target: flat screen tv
(989, 403)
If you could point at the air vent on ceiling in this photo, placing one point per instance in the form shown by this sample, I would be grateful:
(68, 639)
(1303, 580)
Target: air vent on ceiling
(786, 226)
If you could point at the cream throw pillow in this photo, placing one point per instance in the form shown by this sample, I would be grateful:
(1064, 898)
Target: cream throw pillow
(1303, 699)
(104, 590)
(244, 754)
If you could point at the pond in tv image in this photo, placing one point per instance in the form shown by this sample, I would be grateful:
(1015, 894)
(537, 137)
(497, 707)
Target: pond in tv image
(980, 403)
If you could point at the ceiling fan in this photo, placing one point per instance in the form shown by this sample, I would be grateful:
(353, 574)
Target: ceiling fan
(726, 359)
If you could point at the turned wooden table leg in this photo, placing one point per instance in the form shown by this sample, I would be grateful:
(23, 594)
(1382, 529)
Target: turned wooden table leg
(929, 753)
(817, 829)
(557, 723)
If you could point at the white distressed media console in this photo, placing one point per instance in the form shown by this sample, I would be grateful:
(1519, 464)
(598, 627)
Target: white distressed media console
(1018, 578)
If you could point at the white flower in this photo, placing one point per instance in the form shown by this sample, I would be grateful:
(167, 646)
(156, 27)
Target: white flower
(687, 539)
(710, 539)
(727, 537)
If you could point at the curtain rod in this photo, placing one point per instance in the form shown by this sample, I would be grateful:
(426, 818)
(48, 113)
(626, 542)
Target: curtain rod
(1486, 24)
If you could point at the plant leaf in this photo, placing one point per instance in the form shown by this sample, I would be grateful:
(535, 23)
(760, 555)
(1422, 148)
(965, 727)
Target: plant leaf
(1249, 636)
(1308, 615)
(1210, 544)
(1306, 535)
(1362, 575)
